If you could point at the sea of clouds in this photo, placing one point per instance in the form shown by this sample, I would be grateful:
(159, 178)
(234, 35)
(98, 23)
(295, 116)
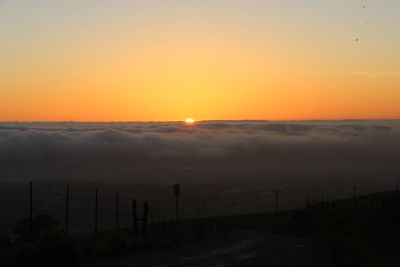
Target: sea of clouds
(205, 151)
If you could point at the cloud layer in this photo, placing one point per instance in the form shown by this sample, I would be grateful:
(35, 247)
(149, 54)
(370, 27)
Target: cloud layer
(206, 151)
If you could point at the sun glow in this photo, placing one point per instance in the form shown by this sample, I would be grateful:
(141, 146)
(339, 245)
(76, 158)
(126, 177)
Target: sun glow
(189, 121)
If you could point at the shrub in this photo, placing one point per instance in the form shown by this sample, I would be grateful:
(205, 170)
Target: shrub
(42, 222)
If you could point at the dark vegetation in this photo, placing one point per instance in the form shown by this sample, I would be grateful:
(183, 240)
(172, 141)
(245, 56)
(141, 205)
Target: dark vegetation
(49, 244)
(363, 230)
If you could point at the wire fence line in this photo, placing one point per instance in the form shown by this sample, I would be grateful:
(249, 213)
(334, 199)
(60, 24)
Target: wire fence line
(60, 198)
(73, 213)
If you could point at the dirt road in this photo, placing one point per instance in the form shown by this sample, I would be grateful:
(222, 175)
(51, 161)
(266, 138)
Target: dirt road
(241, 249)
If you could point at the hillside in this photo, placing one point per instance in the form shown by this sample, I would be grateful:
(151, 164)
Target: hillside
(365, 230)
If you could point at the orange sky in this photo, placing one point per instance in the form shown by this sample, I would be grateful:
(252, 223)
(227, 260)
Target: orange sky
(224, 60)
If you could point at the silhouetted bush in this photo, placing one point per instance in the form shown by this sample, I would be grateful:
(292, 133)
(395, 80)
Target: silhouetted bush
(41, 223)
(4, 241)
(50, 245)
(54, 246)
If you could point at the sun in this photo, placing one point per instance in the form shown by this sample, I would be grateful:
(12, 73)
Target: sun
(189, 121)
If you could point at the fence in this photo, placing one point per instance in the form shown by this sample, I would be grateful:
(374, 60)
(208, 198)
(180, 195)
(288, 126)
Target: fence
(78, 215)
(359, 204)
(96, 212)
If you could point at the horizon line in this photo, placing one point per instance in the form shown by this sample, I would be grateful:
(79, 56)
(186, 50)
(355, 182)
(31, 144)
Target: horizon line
(197, 121)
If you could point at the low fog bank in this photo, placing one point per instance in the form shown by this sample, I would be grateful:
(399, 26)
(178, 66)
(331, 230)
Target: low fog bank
(277, 153)
(225, 167)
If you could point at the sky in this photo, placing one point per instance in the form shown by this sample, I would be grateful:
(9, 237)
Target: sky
(167, 60)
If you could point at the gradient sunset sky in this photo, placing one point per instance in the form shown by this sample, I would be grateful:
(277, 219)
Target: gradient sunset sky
(155, 60)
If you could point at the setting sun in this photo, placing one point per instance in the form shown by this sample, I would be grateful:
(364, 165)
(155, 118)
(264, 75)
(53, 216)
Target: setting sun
(189, 121)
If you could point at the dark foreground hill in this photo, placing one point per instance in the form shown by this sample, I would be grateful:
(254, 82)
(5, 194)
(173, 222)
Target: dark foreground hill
(362, 231)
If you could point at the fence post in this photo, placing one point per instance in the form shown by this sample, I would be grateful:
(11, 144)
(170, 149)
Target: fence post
(354, 193)
(163, 226)
(152, 223)
(30, 211)
(117, 211)
(66, 210)
(145, 215)
(95, 215)
(276, 207)
(355, 199)
(134, 217)
(177, 193)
